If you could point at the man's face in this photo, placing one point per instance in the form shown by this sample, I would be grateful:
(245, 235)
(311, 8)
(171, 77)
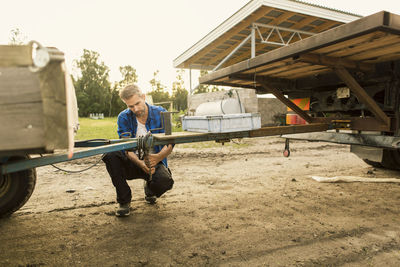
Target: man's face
(136, 104)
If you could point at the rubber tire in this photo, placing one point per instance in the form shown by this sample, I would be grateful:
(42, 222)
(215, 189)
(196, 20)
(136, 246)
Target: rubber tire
(391, 159)
(15, 189)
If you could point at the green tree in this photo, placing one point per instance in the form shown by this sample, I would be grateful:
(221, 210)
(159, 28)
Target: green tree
(203, 88)
(158, 92)
(179, 92)
(17, 37)
(129, 76)
(92, 86)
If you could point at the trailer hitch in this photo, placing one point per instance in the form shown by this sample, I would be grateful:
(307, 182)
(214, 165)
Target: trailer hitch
(145, 143)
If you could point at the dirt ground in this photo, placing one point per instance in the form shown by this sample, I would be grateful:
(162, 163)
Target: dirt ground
(232, 205)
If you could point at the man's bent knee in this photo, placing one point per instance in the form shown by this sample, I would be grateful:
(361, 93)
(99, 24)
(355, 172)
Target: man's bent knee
(112, 156)
(161, 181)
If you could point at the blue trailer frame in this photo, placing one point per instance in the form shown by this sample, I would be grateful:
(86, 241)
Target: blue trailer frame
(101, 146)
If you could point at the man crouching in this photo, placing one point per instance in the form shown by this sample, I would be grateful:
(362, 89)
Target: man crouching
(138, 119)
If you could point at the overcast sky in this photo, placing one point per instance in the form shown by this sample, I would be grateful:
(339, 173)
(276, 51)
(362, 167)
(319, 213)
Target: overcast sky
(147, 34)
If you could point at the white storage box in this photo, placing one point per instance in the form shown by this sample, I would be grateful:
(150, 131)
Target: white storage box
(222, 123)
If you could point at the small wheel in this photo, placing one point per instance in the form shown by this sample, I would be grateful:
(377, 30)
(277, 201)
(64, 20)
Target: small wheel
(286, 153)
(16, 188)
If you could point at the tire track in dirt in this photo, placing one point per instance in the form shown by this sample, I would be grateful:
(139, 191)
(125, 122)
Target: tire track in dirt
(347, 246)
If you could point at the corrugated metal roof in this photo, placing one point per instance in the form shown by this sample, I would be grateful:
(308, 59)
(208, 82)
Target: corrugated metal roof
(327, 8)
(298, 15)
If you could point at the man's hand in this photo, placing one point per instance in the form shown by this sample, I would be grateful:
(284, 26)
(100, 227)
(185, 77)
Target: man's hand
(145, 168)
(141, 163)
(153, 159)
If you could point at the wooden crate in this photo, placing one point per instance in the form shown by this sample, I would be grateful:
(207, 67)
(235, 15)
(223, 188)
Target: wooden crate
(36, 111)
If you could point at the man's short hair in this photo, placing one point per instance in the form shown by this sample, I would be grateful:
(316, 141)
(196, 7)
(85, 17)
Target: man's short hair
(129, 91)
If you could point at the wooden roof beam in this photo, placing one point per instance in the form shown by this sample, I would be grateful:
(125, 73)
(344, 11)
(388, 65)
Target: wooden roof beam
(287, 102)
(334, 62)
(274, 82)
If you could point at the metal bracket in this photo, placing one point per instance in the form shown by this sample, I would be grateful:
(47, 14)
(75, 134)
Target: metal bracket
(278, 30)
(166, 122)
(42, 56)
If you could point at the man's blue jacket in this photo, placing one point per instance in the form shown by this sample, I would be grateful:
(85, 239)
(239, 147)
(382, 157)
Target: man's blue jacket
(127, 123)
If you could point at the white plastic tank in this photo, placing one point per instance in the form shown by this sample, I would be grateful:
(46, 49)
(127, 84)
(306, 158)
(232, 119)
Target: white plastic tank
(220, 107)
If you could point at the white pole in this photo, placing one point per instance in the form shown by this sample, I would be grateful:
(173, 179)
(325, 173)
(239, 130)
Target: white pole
(253, 41)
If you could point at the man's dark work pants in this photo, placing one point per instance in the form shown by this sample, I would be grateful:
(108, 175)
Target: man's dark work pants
(121, 169)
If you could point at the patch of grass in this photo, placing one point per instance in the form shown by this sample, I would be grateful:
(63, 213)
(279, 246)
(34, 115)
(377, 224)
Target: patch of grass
(94, 129)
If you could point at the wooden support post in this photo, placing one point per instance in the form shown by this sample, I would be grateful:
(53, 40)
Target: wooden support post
(362, 96)
(288, 103)
(263, 83)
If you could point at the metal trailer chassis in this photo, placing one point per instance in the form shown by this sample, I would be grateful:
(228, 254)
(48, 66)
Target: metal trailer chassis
(350, 73)
(18, 173)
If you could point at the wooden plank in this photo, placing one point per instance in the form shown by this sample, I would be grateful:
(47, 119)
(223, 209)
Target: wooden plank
(380, 51)
(18, 85)
(265, 131)
(21, 113)
(254, 81)
(334, 62)
(288, 66)
(22, 126)
(268, 67)
(310, 73)
(175, 135)
(362, 124)
(364, 47)
(15, 56)
(391, 57)
(352, 42)
(362, 96)
(339, 34)
(328, 25)
(34, 109)
(294, 71)
(224, 79)
(393, 22)
(292, 129)
(258, 88)
(52, 84)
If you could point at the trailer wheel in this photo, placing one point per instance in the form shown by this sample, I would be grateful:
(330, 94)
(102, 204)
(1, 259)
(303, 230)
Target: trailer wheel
(15, 189)
(391, 159)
